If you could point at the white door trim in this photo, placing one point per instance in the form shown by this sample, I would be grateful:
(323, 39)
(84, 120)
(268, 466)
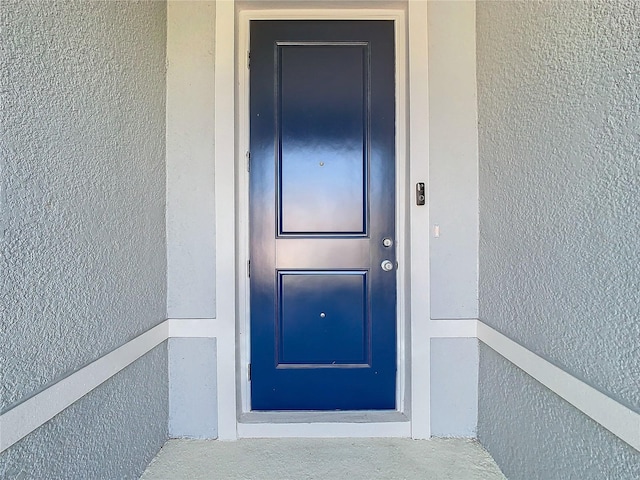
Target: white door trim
(419, 232)
(414, 396)
(225, 217)
(245, 17)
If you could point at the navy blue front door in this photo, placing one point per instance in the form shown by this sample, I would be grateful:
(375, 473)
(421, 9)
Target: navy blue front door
(322, 215)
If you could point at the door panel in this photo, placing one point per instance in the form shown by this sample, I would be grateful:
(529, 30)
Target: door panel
(323, 123)
(323, 319)
(323, 311)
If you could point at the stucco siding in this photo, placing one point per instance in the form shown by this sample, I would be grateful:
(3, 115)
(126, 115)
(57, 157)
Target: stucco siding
(83, 219)
(111, 433)
(534, 434)
(558, 90)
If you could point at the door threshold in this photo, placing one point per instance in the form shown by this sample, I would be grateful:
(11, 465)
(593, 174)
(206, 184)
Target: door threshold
(346, 416)
(314, 424)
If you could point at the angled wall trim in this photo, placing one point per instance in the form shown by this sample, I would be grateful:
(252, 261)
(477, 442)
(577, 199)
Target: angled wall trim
(24, 418)
(615, 417)
(34, 412)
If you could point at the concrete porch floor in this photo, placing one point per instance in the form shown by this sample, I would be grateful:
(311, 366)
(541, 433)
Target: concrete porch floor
(333, 459)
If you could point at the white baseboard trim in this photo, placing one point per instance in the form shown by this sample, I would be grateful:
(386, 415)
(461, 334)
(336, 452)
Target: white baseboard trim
(615, 417)
(24, 418)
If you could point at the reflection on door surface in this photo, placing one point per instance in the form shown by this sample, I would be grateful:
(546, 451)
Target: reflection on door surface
(322, 215)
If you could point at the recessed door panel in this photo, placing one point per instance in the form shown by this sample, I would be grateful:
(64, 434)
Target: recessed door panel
(322, 200)
(323, 319)
(323, 144)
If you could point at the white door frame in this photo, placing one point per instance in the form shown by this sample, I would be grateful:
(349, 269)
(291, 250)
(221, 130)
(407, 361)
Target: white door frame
(231, 184)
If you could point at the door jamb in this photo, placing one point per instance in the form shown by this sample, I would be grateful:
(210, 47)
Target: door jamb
(243, 139)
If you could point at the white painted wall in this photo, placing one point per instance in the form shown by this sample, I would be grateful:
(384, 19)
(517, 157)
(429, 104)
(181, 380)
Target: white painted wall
(193, 406)
(191, 236)
(453, 154)
(454, 387)
(453, 203)
(191, 216)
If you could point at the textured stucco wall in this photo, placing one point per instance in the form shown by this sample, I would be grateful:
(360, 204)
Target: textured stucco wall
(535, 435)
(111, 433)
(559, 116)
(83, 193)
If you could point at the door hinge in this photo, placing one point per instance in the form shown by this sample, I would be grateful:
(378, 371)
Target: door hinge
(249, 372)
(248, 161)
(249, 268)
(248, 59)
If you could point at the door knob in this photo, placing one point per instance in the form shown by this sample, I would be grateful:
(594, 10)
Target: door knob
(387, 265)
